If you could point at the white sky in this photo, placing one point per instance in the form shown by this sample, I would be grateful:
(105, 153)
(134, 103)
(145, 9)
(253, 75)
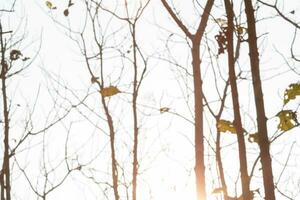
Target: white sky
(166, 149)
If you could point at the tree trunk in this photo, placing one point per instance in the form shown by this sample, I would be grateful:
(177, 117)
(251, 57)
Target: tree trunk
(5, 172)
(135, 117)
(220, 165)
(114, 166)
(199, 145)
(259, 102)
(235, 100)
(112, 133)
(198, 92)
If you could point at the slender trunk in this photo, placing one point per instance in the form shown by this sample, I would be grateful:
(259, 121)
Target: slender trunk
(198, 92)
(135, 123)
(112, 148)
(220, 164)
(236, 107)
(218, 146)
(199, 145)
(5, 172)
(112, 133)
(264, 144)
(2, 174)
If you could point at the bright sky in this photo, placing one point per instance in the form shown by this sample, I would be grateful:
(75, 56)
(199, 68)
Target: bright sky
(166, 150)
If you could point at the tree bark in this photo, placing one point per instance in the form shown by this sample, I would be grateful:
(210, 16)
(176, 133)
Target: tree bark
(5, 172)
(199, 145)
(218, 145)
(220, 165)
(235, 100)
(112, 133)
(198, 92)
(264, 143)
(135, 118)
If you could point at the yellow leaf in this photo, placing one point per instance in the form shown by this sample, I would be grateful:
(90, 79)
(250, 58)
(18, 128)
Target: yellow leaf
(291, 92)
(164, 109)
(240, 30)
(50, 5)
(288, 119)
(221, 22)
(253, 138)
(224, 125)
(217, 190)
(235, 198)
(109, 91)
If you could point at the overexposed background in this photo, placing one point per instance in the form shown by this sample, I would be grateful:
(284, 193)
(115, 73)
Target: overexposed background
(58, 79)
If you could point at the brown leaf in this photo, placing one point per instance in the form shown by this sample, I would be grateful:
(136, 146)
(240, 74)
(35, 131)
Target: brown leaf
(109, 91)
(66, 12)
(94, 79)
(164, 109)
(15, 54)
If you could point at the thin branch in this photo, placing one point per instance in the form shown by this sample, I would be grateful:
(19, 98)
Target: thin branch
(280, 14)
(177, 20)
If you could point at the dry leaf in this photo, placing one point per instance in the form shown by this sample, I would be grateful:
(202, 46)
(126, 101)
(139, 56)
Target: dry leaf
(164, 109)
(221, 22)
(241, 30)
(15, 54)
(291, 92)
(288, 120)
(50, 5)
(94, 79)
(253, 138)
(217, 190)
(66, 12)
(224, 125)
(109, 91)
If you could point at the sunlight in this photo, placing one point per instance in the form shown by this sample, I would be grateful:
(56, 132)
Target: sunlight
(174, 194)
(177, 194)
(170, 182)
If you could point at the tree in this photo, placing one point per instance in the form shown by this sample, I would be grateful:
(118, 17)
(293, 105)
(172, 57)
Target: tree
(137, 81)
(259, 101)
(15, 62)
(94, 128)
(5, 171)
(198, 92)
(134, 58)
(229, 32)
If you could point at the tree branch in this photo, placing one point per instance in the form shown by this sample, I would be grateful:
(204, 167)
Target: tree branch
(177, 20)
(203, 22)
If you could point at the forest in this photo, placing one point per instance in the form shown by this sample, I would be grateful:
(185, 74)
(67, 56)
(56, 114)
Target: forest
(150, 99)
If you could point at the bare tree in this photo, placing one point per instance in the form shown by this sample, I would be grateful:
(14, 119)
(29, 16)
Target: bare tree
(198, 92)
(219, 162)
(139, 66)
(5, 171)
(13, 65)
(264, 143)
(229, 32)
(137, 81)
